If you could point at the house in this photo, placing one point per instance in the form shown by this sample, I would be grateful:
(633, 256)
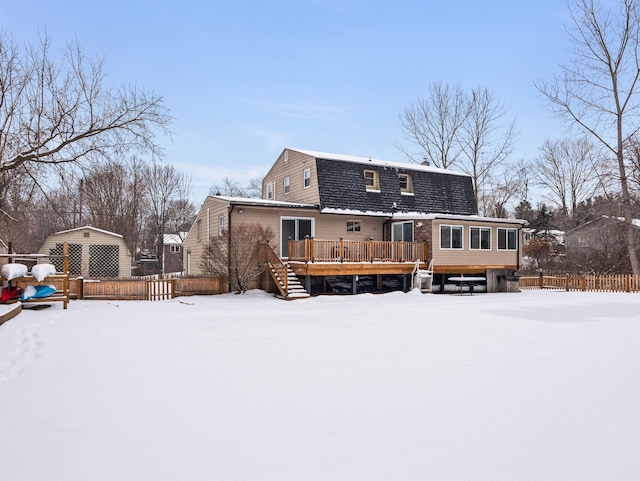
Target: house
(92, 252)
(338, 216)
(172, 252)
(600, 245)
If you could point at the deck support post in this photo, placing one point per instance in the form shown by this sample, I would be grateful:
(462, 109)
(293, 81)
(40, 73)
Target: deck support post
(354, 285)
(307, 283)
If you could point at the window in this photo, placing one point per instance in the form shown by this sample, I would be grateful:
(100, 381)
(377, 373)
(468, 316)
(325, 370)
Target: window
(583, 241)
(270, 190)
(353, 226)
(174, 248)
(402, 231)
(450, 237)
(406, 185)
(507, 239)
(480, 238)
(285, 186)
(286, 156)
(221, 225)
(371, 181)
(307, 178)
(199, 229)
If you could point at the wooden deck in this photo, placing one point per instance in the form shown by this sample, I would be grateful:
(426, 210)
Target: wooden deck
(319, 257)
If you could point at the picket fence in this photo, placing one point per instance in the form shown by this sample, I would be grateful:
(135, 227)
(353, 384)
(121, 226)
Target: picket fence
(151, 289)
(586, 283)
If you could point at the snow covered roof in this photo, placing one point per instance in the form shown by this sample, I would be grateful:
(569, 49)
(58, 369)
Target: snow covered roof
(476, 218)
(378, 162)
(248, 201)
(174, 239)
(90, 228)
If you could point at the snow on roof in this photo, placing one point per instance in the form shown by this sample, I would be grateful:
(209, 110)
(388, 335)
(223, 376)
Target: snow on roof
(174, 239)
(90, 228)
(476, 218)
(422, 215)
(379, 162)
(261, 202)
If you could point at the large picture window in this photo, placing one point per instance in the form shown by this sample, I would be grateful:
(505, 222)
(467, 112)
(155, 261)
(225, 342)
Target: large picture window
(450, 237)
(480, 238)
(507, 239)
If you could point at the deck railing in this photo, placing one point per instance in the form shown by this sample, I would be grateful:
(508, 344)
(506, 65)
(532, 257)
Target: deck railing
(320, 250)
(594, 283)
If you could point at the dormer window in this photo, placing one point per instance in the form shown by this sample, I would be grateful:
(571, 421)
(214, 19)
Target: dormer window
(371, 181)
(307, 178)
(406, 186)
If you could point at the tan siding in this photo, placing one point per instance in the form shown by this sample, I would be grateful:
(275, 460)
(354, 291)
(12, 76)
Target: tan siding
(95, 238)
(293, 168)
(466, 256)
(195, 243)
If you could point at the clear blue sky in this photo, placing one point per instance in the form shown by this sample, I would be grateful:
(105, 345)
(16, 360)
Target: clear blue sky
(245, 79)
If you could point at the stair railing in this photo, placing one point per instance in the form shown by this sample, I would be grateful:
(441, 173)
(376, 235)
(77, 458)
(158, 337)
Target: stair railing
(278, 269)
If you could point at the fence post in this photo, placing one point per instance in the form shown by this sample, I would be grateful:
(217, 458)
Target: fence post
(583, 283)
(541, 280)
(628, 283)
(566, 282)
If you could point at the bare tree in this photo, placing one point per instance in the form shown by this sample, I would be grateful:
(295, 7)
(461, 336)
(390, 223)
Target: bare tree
(111, 196)
(485, 144)
(597, 93)
(497, 192)
(453, 129)
(432, 125)
(234, 256)
(571, 171)
(56, 108)
(232, 188)
(164, 185)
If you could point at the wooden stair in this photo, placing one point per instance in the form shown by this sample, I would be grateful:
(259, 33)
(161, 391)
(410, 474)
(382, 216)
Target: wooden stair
(292, 289)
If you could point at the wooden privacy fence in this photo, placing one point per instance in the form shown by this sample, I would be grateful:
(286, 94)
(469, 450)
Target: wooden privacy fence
(591, 283)
(145, 289)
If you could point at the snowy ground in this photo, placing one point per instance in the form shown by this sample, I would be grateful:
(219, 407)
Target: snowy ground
(529, 386)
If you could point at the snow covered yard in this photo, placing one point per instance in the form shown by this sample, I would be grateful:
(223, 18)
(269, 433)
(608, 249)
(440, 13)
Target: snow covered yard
(529, 386)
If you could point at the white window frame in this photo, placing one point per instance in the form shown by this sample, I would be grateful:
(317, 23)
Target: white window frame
(451, 227)
(354, 226)
(306, 178)
(393, 230)
(269, 190)
(481, 229)
(506, 231)
(286, 185)
(221, 225)
(174, 248)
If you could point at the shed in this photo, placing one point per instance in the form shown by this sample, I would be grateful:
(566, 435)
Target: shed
(92, 252)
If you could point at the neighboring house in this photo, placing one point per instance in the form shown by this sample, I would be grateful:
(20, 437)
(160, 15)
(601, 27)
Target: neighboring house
(172, 254)
(600, 245)
(92, 252)
(352, 216)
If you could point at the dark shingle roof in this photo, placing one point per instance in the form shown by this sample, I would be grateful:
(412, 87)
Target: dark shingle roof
(341, 187)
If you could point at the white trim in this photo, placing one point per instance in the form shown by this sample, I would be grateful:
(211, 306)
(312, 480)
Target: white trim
(507, 229)
(479, 249)
(305, 177)
(451, 237)
(297, 233)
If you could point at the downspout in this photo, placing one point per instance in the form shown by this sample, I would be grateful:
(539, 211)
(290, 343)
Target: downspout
(209, 236)
(229, 249)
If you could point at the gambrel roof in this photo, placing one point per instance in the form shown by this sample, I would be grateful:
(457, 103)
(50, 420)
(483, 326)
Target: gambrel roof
(342, 189)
